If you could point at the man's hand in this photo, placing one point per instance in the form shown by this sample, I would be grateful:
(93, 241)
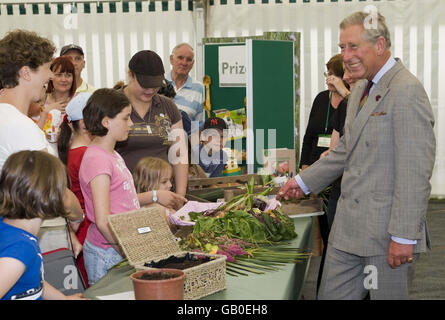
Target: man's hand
(170, 199)
(399, 254)
(324, 154)
(290, 189)
(76, 296)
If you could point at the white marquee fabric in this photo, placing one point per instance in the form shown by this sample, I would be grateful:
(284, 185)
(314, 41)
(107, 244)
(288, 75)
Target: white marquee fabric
(417, 32)
(109, 38)
(110, 34)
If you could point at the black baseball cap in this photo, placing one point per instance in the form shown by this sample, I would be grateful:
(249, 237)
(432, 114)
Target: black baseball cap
(148, 68)
(69, 47)
(215, 123)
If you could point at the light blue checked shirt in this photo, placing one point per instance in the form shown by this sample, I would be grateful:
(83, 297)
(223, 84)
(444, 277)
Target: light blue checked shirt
(189, 98)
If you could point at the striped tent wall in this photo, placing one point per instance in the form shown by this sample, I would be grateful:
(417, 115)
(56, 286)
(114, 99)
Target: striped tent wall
(417, 33)
(109, 32)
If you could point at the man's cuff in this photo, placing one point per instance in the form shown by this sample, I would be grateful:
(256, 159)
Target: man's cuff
(302, 185)
(403, 241)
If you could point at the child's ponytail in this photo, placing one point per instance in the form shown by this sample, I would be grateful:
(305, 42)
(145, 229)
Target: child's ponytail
(63, 142)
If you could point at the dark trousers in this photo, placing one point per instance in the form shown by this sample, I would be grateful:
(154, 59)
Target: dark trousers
(325, 227)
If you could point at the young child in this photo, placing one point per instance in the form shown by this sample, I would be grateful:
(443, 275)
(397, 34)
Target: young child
(38, 112)
(32, 188)
(210, 155)
(72, 144)
(106, 183)
(35, 108)
(154, 174)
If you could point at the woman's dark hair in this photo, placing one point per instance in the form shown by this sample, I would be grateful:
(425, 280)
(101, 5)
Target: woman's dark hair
(66, 66)
(103, 103)
(32, 185)
(63, 142)
(335, 64)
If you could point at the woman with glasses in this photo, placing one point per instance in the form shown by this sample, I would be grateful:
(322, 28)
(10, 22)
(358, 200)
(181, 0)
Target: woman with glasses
(319, 128)
(317, 138)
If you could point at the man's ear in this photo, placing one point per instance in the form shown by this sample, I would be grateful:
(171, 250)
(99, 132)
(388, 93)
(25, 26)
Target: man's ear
(381, 45)
(25, 73)
(171, 59)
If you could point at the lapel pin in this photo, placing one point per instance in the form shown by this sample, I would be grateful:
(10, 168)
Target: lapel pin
(377, 98)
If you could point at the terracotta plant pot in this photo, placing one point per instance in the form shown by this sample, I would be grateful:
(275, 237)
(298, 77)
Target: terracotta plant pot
(167, 289)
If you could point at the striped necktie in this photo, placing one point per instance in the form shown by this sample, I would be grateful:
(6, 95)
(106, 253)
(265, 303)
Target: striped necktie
(365, 94)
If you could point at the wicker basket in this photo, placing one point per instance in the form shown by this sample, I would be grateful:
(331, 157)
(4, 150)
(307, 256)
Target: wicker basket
(145, 236)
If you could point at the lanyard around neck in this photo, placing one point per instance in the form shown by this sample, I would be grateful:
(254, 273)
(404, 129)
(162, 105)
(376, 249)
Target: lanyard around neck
(327, 116)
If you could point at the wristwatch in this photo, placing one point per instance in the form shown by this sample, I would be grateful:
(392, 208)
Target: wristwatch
(155, 196)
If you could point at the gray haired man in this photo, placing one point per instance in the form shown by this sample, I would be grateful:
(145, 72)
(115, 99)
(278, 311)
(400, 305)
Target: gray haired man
(386, 156)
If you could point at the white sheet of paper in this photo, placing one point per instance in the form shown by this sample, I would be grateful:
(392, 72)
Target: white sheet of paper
(129, 295)
(302, 215)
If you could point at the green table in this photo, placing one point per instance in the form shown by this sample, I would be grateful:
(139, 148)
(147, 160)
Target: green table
(285, 284)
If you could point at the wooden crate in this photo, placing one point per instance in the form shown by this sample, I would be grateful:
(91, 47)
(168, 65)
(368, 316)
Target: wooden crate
(200, 187)
(222, 182)
(233, 192)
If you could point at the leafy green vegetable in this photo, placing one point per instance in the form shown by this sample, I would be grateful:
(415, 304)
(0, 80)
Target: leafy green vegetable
(244, 220)
(236, 224)
(194, 215)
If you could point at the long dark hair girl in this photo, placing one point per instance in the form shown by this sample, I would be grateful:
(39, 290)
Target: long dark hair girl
(72, 128)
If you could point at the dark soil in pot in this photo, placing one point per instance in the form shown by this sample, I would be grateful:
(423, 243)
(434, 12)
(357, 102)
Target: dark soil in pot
(158, 276)
(181, 263)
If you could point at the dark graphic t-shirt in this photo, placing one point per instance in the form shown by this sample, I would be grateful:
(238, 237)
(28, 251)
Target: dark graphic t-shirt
(150, 136)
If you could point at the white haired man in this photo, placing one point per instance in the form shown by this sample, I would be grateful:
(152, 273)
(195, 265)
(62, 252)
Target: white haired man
(189, 93)
(386, 156)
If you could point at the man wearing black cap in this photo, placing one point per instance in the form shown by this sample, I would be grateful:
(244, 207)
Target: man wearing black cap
(75, 53)
(154, 119)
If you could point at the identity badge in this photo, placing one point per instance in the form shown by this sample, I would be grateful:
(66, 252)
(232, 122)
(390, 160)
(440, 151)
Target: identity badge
(324, 140)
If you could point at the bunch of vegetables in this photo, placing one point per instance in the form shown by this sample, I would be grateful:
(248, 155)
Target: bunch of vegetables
(245, 217)
(243, 256)
(243, 230)
(208, 242)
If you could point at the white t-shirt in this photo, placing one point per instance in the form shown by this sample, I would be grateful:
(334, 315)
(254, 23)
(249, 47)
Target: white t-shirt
(18, 132)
